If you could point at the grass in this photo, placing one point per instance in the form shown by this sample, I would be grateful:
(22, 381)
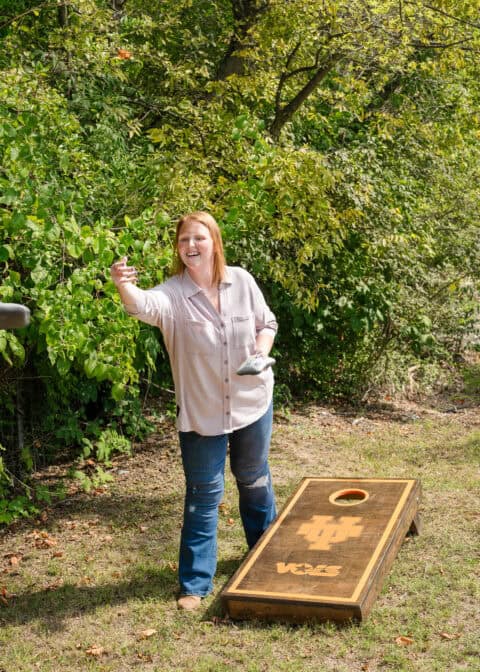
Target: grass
(84, 587)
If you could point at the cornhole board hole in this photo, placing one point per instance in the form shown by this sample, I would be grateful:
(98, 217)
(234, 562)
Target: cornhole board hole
(327, 553)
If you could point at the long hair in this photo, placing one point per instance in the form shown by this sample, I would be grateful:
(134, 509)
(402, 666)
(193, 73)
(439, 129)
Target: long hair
(218, 254)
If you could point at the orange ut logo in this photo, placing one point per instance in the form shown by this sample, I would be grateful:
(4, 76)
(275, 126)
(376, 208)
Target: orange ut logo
(323, 531)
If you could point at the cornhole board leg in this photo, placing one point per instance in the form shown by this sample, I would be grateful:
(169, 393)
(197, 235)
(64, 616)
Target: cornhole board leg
(326, 555)
(416, 526)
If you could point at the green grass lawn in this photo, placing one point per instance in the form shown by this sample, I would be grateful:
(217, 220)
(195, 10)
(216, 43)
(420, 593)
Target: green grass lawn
(91, 585)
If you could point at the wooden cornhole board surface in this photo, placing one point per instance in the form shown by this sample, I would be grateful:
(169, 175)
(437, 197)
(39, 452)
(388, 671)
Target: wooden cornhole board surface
(327, 553)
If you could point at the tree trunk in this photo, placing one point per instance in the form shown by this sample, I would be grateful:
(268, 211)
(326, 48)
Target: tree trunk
(62, 14)
(245, 14)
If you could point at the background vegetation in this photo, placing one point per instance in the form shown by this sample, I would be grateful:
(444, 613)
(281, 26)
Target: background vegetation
(336, 142)
(90, 584)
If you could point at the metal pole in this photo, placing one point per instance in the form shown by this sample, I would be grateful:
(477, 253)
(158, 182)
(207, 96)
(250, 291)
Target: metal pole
(16, 316)
(13, 316)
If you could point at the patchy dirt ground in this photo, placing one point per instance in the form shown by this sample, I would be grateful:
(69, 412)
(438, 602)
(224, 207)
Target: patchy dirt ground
(309, 432)
(82, 584)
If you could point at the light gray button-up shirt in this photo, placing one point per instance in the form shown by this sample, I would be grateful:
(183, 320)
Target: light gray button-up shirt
(206, 348)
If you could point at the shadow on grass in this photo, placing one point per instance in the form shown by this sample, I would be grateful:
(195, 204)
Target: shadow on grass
(117, 511)
(53, 607)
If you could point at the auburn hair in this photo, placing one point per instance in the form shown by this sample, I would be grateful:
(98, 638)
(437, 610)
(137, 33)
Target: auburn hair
(207, 220)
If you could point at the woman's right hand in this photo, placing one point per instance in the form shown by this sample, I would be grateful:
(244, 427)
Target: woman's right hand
(122, 274)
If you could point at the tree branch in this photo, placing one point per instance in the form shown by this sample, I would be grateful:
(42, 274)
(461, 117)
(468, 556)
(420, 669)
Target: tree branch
(283, 77)
(284, 114)
(437, 10)
(43, 5)
(441, 45)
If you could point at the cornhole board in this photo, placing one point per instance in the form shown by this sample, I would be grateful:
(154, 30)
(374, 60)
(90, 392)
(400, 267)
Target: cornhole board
(327, 553)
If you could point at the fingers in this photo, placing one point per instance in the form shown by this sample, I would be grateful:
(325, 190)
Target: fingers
(122, 274)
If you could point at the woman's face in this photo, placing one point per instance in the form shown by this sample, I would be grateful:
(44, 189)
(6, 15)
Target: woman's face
(195, 246)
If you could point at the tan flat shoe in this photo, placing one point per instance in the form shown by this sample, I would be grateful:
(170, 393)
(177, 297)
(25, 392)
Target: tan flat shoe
(189, 602)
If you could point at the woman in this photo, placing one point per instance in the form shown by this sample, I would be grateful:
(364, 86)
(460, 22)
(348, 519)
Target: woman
(212, 318)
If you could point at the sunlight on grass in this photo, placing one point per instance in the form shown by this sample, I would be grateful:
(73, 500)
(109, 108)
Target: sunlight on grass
(83, 603)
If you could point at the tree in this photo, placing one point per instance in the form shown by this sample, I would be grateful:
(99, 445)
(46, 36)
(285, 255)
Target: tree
(336, 142)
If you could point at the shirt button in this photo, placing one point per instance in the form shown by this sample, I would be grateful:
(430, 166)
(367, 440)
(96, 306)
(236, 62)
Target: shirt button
(227, 413)
(224, 342)
(226, 361)
(226, 380)
(227, 397)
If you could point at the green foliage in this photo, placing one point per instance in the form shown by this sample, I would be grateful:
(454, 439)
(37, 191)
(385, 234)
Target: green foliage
(99, 451)
(107, 443)
(337, 144)
(19, 500)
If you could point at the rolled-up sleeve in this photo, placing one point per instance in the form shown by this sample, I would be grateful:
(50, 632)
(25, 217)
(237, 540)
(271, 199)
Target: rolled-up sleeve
(264, 318)
(151, 306)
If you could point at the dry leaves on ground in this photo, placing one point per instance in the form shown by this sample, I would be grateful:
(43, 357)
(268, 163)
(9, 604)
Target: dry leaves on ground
(145, 634)
(450, 635)
(95, 651)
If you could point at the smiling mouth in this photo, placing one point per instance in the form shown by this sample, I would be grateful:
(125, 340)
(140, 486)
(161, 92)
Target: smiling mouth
(193, 254)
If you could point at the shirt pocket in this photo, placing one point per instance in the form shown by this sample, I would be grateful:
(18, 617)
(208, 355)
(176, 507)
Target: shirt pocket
(243, 329)
(200, 338)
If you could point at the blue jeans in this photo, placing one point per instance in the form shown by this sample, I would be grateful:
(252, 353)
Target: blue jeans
(204, 467)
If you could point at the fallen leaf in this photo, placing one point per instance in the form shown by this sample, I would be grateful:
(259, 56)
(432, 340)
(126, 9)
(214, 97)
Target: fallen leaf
(145, 656)
(230, 521)
(45, 543)
(173, 566)
(403, 641)
(57, 554)
(142, 528)
(450, 636)
(42, 539)
(145, 634)
(95, 651)
(14, 560)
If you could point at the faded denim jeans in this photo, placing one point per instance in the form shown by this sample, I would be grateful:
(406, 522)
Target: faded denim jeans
(204, 467)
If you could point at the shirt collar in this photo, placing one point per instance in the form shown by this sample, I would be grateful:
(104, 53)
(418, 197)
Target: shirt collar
(190, 288)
